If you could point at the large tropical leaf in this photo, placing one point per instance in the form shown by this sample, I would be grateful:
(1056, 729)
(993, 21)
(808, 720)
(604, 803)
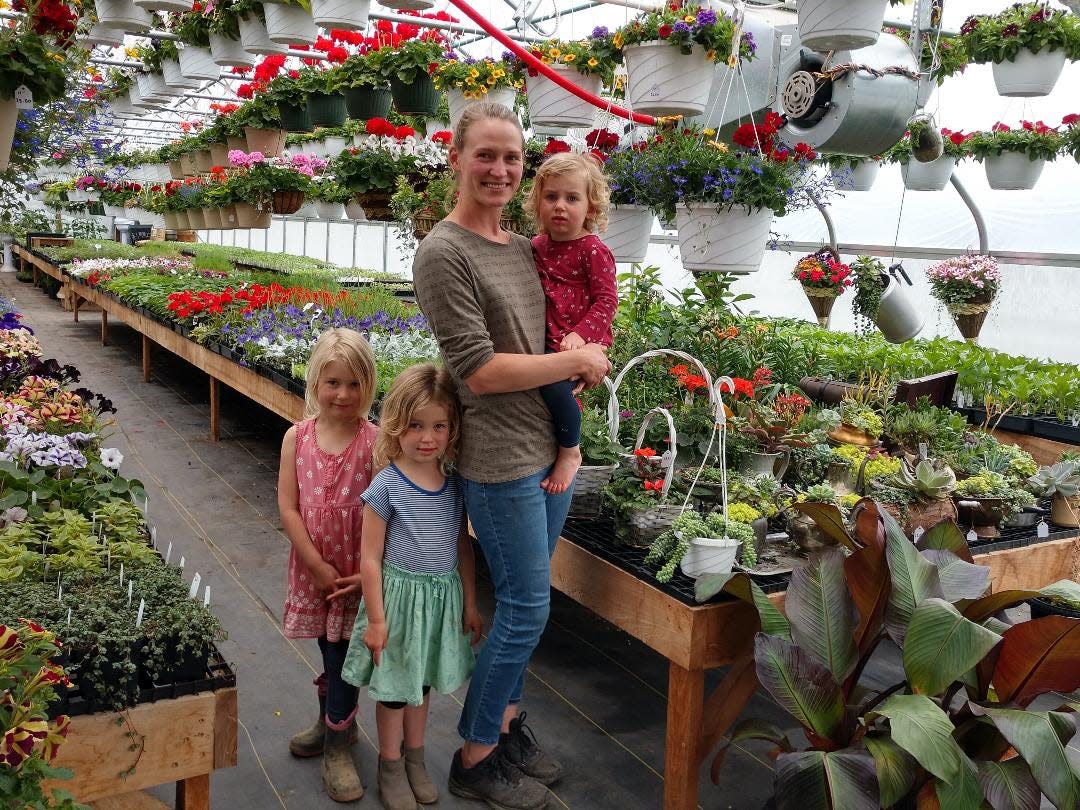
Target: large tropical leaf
(820, 780)
(1009, 785)
(1064, 588)
(946, 536)
(959, 579)
(802, 685)
(942, 645)
(921, 728)
(1040, 738)
(867, 575)
(749, 729)
(982, 609)
(964, 792)
(914, 579)
(739, 585)
(821, 612)
(869, 529)
(829, 519)
(896, 768)
(1037, 657)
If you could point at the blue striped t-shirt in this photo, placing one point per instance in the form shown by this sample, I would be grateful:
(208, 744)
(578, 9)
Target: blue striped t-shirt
(422, 527)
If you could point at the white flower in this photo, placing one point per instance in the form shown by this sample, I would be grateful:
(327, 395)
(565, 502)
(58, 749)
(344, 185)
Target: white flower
(112, 458)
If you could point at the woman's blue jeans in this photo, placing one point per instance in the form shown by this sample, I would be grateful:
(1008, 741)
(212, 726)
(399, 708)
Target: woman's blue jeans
(517, 525)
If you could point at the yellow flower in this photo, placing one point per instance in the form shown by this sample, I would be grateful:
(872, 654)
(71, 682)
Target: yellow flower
(710, 55)
(59, 57)
(498, 73)
(470, 81)
(491, 80)
(722, 147)
(134, 54)
(4, 5)
(554, 53)
(689, 18)
(569, 58)
(617, 40)
(481, 91)
(592, 62)
(709, 133)
(546, 60)
(732, 61)
(474, 73)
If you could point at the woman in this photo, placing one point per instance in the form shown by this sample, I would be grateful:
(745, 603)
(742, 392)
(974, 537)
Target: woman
(477, 285)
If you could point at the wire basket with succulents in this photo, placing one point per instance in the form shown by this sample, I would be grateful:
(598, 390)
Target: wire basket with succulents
(967, 286)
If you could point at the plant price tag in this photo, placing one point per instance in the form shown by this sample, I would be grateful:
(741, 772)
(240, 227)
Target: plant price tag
(924, 451)
(168, 553)
(182, 561)
(206, 597)
(971, 536)
(919, 532)
(1042, 530)
(24, 99)
(195, 586)
(131, 584)
(142, 607)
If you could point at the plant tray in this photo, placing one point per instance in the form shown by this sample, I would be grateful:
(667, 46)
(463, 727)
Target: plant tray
(788, 556)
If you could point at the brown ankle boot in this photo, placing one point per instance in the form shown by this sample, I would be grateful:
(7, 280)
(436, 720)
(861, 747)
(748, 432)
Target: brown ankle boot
(394, 790)
(422, 787)
(309, 742)
(338, 771)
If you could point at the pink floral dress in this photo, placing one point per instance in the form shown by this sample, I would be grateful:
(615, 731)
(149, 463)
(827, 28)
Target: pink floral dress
(330, 490)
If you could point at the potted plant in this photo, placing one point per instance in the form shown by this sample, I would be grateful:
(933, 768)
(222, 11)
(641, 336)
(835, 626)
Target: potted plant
(580, 63)
(1060, 483)
(1014, 158)
(226, 47)
(289, 22)
(931, 488)
(1061, 598)
(255, 183)
(851, 173)
(325, 101)
(932, 175)
(345, 15)
(823, 278)
(670, 54)
(857, 424)
(879, 300)
(468, 80)
(259, 120)
(942, 57)
(29, 59)
(291, 98)
(407, 68)
(771, 439)
(630, 217)
(699, 545)
(966, 285)
(196, 59)
(982, 502)
(367, 94)
(122, 14)
(841, 25)
(251, 21)
(1027, 43)
(1070, 136)
(329, 197)
(804, 530)
(599, 459)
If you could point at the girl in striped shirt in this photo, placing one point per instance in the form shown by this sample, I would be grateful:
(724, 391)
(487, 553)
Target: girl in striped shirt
(418, 619)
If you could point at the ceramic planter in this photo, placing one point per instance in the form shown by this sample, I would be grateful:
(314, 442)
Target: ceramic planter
(9, 116)
(840, 25)
(289, 25)
(553, 106)
(981, 514)
(350, 15)
(861, 178)
(198, 63)
(219, 155)
(326, 109)
(363, 103)
(722, 241)
(771, 464)
(417, 98)
(897, 318)
(932, 176)
(1029, 74)
(268, 141)
(709, 555)
(1013, 171)
(196, 221)
(329, 210)
(295, 117)
(662, 80)
(254, 38)
(628, 231)
(229, 52)
(178, 6)
(457, 102)
(122, 14)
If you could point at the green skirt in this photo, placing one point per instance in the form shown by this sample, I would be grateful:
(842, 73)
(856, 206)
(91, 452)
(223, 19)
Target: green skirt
(425, 646)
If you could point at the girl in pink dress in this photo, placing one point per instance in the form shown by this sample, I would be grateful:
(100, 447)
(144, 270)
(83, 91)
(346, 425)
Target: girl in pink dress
(325, 468)
(568, 203)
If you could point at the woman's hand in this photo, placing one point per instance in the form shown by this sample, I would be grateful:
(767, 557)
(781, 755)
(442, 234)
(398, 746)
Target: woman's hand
(325, 576)
(594, 366)
(572, 340)
(375, 639)
(472, 622)
(343, 586)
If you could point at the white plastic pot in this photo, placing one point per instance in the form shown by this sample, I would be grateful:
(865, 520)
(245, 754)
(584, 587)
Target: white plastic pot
(152, 87)
(861, 178)
(122, 14)
(722, 241)
(229, 52)
(174, 79)
(932, 176)
(408, 5)
(431, 126)
(254, 38)
(336, 144)
(1030, 74)
(709, 555)
(198, 64)
(1013, 171)
(351, 15)
(77, 196)
(661, 80)
(897, 318)
(456, 101)
(178, 6)
(329, 210)
(628, 231)
(353, 210)
(553, 106)
(122, 106)
(100, 35)
(840, 25)
(135, 98)
(289, 25)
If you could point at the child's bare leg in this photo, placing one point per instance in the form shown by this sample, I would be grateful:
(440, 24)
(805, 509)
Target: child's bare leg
(562, 473)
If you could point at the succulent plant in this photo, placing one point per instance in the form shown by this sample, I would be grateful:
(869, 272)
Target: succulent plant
(927, 481)
(821, 493)
(1061, 479)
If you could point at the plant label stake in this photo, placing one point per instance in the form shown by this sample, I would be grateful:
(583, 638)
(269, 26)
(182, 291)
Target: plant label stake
(168, 553)
(69, 616)
(182, 562)
(924, 451)
(108, 558)
(121, 575)
(206, 597)
(971, 536)
(138, 619)
(195, 586)
(131, 583)
(1042, 530)
(60, 593)
(919, 532)
(153, 536)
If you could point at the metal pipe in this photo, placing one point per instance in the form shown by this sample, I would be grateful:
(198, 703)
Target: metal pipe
(826, 216)
(980, 223)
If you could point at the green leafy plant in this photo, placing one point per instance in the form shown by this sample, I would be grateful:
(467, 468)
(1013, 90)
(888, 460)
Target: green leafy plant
(926, 481)
(597, 448)
(1030, 26)
(942, 56)
(1061, 479)
(1036, 140)
(476, 78)
(683, 27)
(407, 59)
(670, 547)
(584, 56)
(868, 275)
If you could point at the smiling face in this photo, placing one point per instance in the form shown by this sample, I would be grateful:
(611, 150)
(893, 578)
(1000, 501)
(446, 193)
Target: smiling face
(339, 393)
(489, 163)
(428, 434)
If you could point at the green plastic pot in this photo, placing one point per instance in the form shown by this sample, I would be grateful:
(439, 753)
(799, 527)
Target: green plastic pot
(417, 98)
(326, 109)
(295, 117)
(367, 102)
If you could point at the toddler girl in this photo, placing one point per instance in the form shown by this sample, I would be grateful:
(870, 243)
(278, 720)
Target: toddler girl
(416, 570)
(568, 202)
(325, 466)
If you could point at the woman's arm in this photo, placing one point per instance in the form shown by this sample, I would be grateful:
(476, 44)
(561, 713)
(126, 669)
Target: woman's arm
(293, 522)
(504, 372)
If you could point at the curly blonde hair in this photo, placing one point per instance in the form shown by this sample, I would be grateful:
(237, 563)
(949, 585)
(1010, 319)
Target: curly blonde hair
(415, 388)
(346, 346)
(596, 188)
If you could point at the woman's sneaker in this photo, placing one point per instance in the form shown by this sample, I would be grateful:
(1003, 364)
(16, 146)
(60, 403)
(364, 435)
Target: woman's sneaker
(520, 749)
(497, 782)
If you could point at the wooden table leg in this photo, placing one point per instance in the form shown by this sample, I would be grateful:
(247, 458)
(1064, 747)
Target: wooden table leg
(682, 758)
(146, 347)
(75, 299)
(193, 793)
(104, 328)
(215, 410)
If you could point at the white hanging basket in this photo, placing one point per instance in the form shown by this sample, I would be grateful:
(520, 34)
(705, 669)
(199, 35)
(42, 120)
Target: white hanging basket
(178, 6)
(135, 98)
(1013, 171)
(431, 126)
(722, 241)
(254, 38)
(709, 555)
(289, 25)
(353, 210)
(628, 231)
(152, 87)
(932, 176)
(329, 210)
(9, 116)
(861, 178)
(350, 15)
(1030, 74)
(457, 102)
(100, 35)
(198, 64)
(174, 79)
(897, 318)
(229, 52)
(122, 14)
(840, 25)
(336, 144)
(408, 5)
(121, 106)
(552, 106)
(661, 80)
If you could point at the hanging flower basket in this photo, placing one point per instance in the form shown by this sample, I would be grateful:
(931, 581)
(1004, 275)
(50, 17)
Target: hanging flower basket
(932, 176)
(722, 241)
(152, 87)
(289, 25)
(592, 478)
(198, 63)
(661, 80)
(861, 177)
(188, 164)
(376, 205)
(363, 103)
(638, 526)
(628, 231)
(174, 78)
(248, 216)
(295, 117)
(204, 161)
(122, 14)
(9, 116)
(418, 98)
(329, 210)
(236, 142)
(353, 210)
(287, 202)
(457, 102)
(967, 286)
(822, 303)
(100, 35)
(1013, 171)
(970, 317)
(255, 39)
(327, 109)
(840, 25)
(178, 6)
(229, 52)
(408, 5)
(1029, 74)
(196, 222)
(350, 15)
(268, 141)
(552, 106)
(219, 154)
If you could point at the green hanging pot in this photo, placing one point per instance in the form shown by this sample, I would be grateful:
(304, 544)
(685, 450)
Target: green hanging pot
(367, 102)
(295, 117)
(326, 109)
(416, 98)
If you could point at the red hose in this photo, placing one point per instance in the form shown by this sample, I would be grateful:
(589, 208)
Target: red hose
(536, 64)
